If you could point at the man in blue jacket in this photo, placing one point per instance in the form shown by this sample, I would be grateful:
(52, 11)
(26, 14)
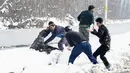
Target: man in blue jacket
(57, 31)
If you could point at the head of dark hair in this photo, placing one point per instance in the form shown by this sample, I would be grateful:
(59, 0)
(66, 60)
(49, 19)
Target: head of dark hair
(51, 23)
(90, 7)
(100, 20)
(68, 28)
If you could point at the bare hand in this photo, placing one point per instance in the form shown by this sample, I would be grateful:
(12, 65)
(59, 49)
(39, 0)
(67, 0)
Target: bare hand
(69, 48)
(89, 30)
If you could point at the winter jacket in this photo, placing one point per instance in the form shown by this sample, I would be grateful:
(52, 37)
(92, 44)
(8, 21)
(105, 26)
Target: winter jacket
(103, 34)
(86, 18)
(44, 33)
(40, 38)
(59, 31)
(74, 38)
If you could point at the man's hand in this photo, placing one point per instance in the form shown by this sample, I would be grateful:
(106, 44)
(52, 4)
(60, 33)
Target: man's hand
(89, 30)
(69, 48)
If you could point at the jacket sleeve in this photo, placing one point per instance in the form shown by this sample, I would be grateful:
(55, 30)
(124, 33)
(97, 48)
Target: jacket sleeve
(99, 33)
(69, 40)
(47, 31)
(44, 33)
(94, 32)
(92, 18)
(50, 39)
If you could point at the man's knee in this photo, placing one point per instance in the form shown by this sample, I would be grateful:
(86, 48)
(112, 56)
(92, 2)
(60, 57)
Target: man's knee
(60, 45)
(102, 57)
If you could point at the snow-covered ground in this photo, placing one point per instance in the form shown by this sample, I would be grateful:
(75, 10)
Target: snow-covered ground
(23, 60)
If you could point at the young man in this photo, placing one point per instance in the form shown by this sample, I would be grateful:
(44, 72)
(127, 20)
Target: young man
(86, 18)
(80, 45)
(104, 39)
(57, 31)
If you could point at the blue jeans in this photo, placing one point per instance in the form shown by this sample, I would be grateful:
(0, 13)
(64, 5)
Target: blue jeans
(78, 49)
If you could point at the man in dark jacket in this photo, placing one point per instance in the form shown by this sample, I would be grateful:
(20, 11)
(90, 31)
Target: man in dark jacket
(80, 45)
(104, 39)
(57, 31)
(39, 45)
(86, 18)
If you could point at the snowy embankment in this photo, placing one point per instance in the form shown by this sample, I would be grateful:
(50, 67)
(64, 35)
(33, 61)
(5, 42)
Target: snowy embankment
(15, 37)
(18, 36)
(23, 60)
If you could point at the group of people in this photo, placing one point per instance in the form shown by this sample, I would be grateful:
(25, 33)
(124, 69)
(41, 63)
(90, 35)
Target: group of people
(80, 40)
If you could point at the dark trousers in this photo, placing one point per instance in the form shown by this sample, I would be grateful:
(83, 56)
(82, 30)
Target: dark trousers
(84, 32)
(61, 42)
(78, 49)
(102, 51)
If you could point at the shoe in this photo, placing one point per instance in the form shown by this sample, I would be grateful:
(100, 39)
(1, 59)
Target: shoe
(49, 64)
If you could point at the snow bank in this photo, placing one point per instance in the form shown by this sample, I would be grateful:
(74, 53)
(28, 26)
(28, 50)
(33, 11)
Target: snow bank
(118, 21)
